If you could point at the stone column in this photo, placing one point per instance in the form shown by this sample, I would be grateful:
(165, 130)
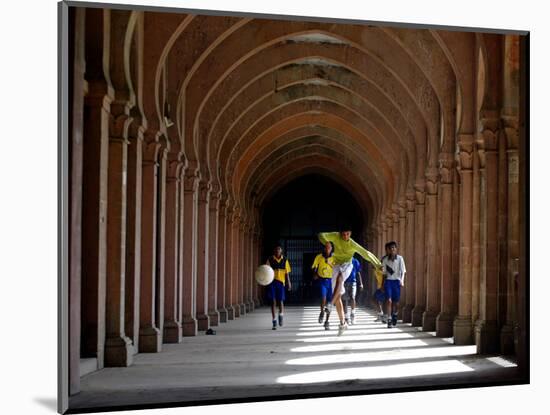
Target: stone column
(235, 252)
(507, 333)
(486, 329)
(191, 184)
(150, 338)
(419, 256)
(401, 226)
(433, 282)
(181, 253)
(444, 320)
(133, 231)
(161, 236)
(410, 244)
(476, 227)
(202, 254)
(118, 348)
(172, 323)
(231, 262)
(462, 329)
(241, 269)
(223, 247)
(213, 247)
(94, 191)
(248, 270)
(80, 86)
(257, 261)
(396, 226)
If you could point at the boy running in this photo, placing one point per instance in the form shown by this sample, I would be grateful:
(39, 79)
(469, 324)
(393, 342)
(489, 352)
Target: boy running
(322, 266)
(276, 290)
(393, 267)
(344, 248)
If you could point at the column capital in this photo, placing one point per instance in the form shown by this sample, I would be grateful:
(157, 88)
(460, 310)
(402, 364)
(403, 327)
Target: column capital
(465, 146)
(119, 123)
(432, 176)
(190, 181)
(419, 191)
(204, 190)
(410, 200)
(480, 149)
(446, 162)
(490, 125)
(174, 166)
(511, 131)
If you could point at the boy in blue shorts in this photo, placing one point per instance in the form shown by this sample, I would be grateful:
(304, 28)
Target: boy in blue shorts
(275, 291)
(393, 267)
(322, 267)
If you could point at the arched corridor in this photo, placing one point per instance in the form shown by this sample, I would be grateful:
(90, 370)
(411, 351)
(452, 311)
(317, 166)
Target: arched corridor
(190, 134)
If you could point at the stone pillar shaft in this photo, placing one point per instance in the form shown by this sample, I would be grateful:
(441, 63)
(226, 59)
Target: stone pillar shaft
(189, 322)
(150, 337)
(410, 243)
(118, 347)
(420, 271)
(223, 247)
(444, 321)
(202, 255)
(462, 330)
(433, 285)
(213, 228)
(172, 324)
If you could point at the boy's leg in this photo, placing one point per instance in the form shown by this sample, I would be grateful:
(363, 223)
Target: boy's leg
(281, 312)
(274, 321)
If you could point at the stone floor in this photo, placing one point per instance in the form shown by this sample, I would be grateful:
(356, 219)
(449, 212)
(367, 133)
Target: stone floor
(246, 359)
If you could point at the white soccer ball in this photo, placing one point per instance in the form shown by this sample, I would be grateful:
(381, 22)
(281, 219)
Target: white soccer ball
(264, 275)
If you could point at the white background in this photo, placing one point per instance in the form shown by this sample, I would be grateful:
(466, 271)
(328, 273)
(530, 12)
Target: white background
(28, 203)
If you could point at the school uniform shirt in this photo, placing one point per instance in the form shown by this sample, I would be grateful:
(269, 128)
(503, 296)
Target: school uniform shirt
(323, 265)
(279, 267)
(356, 268)
(344, 250)
(397, 266)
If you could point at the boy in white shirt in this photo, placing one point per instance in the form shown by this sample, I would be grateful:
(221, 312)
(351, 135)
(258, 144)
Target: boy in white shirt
(393, 267)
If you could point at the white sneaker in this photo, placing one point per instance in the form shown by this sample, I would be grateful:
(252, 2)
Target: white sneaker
(341, 329)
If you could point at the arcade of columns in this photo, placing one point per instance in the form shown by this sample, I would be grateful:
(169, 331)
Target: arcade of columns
(181, 126)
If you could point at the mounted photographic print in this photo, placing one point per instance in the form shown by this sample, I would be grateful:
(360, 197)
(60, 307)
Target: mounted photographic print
(260, 207)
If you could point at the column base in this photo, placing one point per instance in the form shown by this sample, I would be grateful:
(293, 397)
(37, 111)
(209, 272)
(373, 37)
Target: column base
(243, 309)
(189, 326)
(257, 303)
(203, 322)
(487, 337)
(416, 316)
(230, 313)
(223, 315)
(214, 317)
(462, 330)
(150, 340)
(119, 352)
(236, 310)
(428, 320)
(172, 332)
(406, 313)
(251, 306)
(507, 346)
(444, 324)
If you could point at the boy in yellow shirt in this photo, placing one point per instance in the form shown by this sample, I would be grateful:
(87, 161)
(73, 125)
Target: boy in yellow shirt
(344, 248)
(276, 290)
(322, 266)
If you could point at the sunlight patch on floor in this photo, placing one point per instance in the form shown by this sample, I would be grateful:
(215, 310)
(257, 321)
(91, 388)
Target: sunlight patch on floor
(432, 352)
(377, 372)
(392, 344)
